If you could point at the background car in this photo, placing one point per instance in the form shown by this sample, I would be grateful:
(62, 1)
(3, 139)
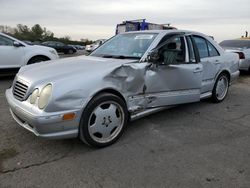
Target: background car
(241, 47)
(15, 54)
(79, 47)
(96, 44)
(28, 42)
(60, 47)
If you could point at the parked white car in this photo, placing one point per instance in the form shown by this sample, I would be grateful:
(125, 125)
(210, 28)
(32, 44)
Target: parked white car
(15, 54)
(96, 44)
(241, 47)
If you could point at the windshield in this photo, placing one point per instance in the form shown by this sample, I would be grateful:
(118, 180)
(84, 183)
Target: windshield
(235, 44)
(130, 45)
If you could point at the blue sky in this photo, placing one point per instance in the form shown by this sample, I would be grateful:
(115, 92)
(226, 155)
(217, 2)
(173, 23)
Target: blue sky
(95, 19)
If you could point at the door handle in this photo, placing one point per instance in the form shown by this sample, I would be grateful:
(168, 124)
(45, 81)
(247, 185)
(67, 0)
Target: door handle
(197, 70)
(217, 62)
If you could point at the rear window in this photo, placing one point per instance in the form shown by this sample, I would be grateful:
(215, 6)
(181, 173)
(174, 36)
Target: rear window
(235, 44)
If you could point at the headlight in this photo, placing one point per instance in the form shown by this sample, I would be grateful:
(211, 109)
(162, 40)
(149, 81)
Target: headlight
(44, 96)
(53, 52)
(34, 96)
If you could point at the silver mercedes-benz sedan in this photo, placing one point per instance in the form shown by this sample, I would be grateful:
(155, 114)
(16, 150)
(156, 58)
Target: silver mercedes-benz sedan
(131, 75)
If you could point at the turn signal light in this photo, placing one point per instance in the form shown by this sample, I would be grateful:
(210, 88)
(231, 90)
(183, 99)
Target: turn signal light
(69, 116)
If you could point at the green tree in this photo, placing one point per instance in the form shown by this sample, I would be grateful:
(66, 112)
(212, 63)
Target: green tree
(47, 35)
(22, 32)
(36, 32)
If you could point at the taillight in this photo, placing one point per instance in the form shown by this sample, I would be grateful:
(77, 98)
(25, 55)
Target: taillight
(241, 55)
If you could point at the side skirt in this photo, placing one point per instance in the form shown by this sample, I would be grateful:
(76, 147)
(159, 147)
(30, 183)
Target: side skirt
(147, 112)
(206, 95)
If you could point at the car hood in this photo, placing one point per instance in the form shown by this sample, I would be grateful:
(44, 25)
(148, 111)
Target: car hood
(81, 65)
(39, 47)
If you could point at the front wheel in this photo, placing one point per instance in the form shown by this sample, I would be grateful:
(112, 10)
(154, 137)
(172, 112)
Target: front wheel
(220, 88)
(103, 120)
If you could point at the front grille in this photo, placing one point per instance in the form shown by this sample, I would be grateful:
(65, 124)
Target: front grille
(19, 90)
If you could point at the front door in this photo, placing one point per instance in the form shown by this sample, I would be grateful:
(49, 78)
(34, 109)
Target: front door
(175, 79)
(10, 56)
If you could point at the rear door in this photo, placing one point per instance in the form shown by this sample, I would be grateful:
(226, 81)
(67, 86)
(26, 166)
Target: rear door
(10, 56)
(177, 77)
(211, 61)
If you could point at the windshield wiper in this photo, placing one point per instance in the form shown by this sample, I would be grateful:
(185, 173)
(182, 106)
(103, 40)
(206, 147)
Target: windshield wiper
(120, 57)
(107, 56)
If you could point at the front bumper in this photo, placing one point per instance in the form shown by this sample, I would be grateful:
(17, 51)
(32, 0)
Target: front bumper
(43, 124)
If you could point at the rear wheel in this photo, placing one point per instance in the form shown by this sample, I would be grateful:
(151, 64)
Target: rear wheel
(103, 120)
(37, 59)
(220, 88)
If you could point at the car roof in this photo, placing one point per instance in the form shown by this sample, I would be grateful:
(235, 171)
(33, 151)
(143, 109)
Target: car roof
(165, 31)
(237, 40)
(244, 38)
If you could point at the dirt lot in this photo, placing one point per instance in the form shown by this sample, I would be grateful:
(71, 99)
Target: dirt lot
(194, 145)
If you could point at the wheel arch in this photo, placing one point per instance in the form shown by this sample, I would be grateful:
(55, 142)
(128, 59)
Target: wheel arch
(111, 91)
(225, 72)
(36, 56)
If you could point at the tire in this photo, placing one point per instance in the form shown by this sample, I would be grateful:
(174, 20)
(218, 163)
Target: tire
(70, 51)
(103, 120)
(37, 59)
(220, 89)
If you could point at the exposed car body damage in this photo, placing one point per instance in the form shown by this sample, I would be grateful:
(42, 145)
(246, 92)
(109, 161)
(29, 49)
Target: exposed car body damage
(129, 79)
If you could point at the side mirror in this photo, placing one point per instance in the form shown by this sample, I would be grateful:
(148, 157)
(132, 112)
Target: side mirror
(154, 56)
(17, 44)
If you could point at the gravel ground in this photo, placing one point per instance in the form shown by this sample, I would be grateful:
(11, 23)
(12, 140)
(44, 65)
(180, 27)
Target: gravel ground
(194, 145)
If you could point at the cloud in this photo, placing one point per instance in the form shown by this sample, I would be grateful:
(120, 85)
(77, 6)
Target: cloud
(98, 18)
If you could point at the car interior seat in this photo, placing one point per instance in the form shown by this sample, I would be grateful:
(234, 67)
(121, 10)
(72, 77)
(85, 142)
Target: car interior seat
(170, 53)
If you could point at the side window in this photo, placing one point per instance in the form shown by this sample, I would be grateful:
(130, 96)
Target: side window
(4, 41)
(59, 44)
(202, 46)
(191, 50)
(173, 52)
(212, 50)
(165, 38)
